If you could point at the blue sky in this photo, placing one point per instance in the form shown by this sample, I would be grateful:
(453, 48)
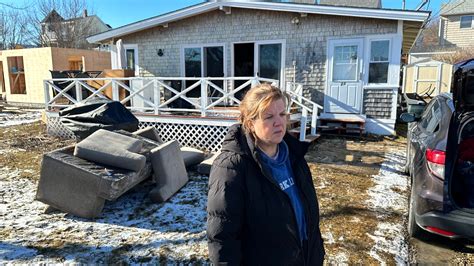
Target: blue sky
(121, 12)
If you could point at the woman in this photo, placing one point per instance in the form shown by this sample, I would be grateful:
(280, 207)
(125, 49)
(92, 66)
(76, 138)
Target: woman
(262, 207)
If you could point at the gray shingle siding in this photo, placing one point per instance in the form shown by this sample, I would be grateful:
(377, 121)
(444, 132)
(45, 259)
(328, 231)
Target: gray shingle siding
(378, 103)
(352, 3)
(305, 43)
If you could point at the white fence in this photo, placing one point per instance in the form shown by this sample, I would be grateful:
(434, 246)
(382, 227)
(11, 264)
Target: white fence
(166, 102)
(154, 95)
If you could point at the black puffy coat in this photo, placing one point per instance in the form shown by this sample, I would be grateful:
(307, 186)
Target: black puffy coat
(250, 220)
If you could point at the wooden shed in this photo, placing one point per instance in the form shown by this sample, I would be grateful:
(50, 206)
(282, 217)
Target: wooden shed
(22, 71)
(427, 76)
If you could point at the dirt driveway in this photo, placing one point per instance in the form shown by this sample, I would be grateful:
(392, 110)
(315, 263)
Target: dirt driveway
(362, 191)
(345, 173)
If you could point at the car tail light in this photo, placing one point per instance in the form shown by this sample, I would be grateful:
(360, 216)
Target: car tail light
(440, 231)
(436, 160)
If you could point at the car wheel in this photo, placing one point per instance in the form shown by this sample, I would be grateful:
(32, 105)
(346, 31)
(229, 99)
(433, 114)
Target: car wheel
(413, 229)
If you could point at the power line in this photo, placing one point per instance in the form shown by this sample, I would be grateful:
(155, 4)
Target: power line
(13, 7)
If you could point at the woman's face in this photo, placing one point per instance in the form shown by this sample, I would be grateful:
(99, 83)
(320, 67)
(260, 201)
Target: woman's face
(270, 128)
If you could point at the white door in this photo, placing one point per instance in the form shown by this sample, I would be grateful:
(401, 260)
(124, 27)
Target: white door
(344, 87)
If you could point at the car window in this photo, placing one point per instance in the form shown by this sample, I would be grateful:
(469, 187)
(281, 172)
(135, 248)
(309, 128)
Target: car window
(431, 117)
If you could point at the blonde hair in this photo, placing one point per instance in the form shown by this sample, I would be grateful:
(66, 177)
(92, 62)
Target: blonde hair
(256, 101)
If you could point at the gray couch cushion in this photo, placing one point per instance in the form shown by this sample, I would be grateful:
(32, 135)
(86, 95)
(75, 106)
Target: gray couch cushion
(149, 133)
(169, 171)
(192, 156)
(205, 166)
(112, 149)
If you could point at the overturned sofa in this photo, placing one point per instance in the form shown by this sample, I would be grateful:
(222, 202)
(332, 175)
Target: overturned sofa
(79, 179)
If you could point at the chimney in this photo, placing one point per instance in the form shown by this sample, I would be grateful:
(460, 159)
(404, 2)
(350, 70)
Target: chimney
(84, 13)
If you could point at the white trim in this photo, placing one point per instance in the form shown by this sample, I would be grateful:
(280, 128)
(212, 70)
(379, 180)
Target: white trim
(380, 126)
(384, 86)
(135, 54)
(292, 7)
(186, 120)
(421, 53)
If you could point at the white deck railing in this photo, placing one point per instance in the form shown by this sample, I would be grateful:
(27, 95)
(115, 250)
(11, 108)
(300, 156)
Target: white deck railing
(154, 95)
(295, 90)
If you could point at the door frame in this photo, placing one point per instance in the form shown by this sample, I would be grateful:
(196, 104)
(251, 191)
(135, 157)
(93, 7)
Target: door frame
(256, 57)
(133, 47)
(360, 68)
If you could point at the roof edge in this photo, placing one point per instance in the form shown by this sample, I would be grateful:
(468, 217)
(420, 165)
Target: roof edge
(390, 14)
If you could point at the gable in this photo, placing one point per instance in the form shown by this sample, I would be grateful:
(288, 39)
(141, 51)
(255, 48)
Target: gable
(53, 16)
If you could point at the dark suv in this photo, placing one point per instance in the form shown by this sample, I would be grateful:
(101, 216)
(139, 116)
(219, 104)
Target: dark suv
(440, 160)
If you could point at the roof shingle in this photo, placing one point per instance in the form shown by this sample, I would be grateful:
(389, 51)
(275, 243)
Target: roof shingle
(458, 7)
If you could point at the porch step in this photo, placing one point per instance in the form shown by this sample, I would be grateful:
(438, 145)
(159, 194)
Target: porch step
(311, 138)
(295, 132)
(342, 125)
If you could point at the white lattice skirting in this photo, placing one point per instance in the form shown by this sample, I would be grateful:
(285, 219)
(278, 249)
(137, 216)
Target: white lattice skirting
(54, 127)
(204, 137)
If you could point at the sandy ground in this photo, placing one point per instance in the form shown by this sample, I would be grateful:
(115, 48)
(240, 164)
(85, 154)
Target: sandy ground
(363, 201)
(361, 189)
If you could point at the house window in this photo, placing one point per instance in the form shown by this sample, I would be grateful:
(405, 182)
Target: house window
(379, 61)
(130, 54)
(203, 62)
(466, 22)
(192, 62)
(345, 63)
(16, 75)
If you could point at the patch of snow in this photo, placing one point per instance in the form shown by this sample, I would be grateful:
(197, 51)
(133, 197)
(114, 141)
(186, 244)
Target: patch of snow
(386, 197)
(13, 119)
(131, 230)
(340, 258)
(328, 238)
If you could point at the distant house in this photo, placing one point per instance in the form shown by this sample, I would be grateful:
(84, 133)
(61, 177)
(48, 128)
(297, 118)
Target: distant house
(429, 68)
(23, 71)
(346, 57)
(70, 33)
(456, 24)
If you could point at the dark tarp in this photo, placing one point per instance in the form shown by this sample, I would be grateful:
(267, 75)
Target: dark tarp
(87, 117)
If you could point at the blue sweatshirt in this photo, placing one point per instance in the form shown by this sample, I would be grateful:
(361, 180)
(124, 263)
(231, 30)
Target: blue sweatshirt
(280, 170)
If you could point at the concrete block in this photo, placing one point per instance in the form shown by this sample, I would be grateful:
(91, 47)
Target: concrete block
(169, 171)
(80, 187)
(205, 166)
(192, 156)
(149, 133)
